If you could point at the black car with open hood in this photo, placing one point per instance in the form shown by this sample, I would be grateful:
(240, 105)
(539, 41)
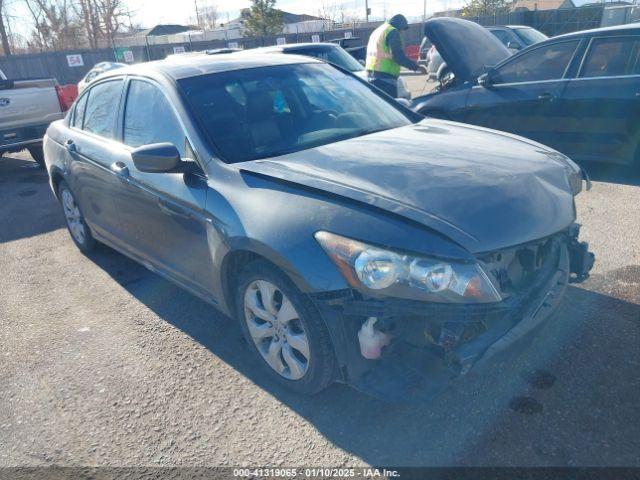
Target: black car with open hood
(577, 93)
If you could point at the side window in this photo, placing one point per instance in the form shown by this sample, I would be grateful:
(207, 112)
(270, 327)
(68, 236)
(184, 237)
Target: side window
(544, 63)
(608, 57)
(145, 102)
(102, 108)
(78, 115)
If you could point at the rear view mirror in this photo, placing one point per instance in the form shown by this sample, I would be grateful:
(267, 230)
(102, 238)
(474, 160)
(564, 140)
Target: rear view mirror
(514, 46)
(404, 102)
(156, 158)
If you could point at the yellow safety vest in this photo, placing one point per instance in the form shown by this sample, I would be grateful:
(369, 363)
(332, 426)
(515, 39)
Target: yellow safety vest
(379, 56)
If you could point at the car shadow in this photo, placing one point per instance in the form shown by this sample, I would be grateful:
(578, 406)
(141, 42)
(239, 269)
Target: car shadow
(460, 425)
(611, 173)
(28, 205)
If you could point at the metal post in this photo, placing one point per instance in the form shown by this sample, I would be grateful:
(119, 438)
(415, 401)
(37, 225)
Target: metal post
(366, 10)
(424, 12)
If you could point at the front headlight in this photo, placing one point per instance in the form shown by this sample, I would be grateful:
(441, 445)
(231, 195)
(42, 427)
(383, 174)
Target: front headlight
(384, 272)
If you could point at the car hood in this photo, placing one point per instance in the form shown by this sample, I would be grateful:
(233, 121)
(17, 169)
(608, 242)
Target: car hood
(483, 189)
(465, 46)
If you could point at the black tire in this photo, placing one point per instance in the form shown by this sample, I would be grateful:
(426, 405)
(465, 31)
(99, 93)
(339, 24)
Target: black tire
(86, 243)
(321, 368)
(37, 153)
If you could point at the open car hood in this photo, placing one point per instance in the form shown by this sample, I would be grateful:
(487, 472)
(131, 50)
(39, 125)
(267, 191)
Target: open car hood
(481, 188)
(465, 46)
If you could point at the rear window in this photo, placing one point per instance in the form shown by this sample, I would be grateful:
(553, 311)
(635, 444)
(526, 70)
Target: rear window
(102, 108)
(333, 55)
(608, 57)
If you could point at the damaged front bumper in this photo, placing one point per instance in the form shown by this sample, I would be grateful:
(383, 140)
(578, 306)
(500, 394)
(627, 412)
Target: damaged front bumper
(432, 344)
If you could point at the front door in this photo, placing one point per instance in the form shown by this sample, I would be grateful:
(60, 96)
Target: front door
(523, 95)
(604, 101)
(162, 214)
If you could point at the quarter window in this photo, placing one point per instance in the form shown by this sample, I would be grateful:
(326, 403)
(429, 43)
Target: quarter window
(149, 118)
(102, 108)
(608, 57)
(544, 63)
(78, 116)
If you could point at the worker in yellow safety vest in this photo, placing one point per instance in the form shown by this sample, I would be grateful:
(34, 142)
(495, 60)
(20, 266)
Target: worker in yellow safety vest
(385, 55)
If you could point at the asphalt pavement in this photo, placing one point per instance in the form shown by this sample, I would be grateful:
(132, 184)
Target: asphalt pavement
(104, 363)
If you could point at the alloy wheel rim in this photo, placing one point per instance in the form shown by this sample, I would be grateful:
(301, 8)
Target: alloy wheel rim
(73, 217)
(276, 330)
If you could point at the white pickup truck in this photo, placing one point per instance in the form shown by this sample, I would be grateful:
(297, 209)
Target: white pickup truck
(27, 107)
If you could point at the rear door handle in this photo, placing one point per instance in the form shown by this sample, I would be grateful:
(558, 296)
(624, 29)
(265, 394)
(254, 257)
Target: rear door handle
(120, 169)
(548, 97)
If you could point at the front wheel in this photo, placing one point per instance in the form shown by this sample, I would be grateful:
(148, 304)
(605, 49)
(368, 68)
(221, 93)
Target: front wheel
(80, 233)
(284, 330)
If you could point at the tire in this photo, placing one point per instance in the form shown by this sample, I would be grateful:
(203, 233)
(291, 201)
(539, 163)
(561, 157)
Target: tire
(37, 153)
(304, 321)
(78, 228)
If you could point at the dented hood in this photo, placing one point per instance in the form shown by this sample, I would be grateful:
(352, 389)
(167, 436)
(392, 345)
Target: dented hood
(483, 189)
(466, 47)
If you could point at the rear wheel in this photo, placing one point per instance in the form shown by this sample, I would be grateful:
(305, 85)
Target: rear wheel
(80, 233)
(284, 329)
(37, 153)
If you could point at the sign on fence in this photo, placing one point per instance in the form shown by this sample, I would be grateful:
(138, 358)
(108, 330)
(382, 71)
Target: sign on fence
(232, 44)
(348, 34)
(180, 49)
(127, 55)
(315, 38)
(281, 41)
(75, 60)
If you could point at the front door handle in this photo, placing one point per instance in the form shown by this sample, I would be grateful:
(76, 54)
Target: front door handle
(120, 169)
(70, 145)
(547, 97)
(173, 210)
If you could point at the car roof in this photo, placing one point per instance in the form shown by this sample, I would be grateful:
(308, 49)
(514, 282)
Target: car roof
(186, 66)
(628, 28)
(293, 46)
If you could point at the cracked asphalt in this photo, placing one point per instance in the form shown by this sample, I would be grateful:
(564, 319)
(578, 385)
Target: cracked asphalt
(103, 363)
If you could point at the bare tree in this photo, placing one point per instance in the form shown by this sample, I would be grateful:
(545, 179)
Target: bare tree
(4, 37)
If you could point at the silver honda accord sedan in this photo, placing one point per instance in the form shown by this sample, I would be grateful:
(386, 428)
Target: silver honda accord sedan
(353, 239)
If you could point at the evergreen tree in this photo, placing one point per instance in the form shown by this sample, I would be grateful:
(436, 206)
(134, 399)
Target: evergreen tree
(263, 19)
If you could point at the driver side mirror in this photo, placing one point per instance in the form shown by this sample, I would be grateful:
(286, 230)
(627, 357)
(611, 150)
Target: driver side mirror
(157, 158)
(485, 80)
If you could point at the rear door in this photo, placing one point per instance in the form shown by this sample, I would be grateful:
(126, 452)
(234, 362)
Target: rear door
(603, 102)
(162, 214)
(524, 94)
(90, 151)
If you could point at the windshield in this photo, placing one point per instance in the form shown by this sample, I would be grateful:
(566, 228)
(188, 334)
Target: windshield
(334, 55)
(530, 35)
(266, 112)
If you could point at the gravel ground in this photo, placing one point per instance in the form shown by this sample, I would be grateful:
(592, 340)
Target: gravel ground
(104, 363)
